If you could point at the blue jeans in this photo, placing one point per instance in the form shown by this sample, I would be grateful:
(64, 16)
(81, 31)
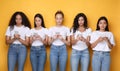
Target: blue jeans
(38, 58)
(82, 57)
(58, 55)
(16, 54)
(101, 61)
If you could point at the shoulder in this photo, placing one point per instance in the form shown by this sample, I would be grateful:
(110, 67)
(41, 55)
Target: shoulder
(26, 28)
(51, 28)
(44, 29)
(66, 28)
(110, 33)
(94, 32)
(89, 30)
(33, 29)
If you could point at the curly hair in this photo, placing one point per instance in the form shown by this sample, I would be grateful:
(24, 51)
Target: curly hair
(25, 20)
(76, 24)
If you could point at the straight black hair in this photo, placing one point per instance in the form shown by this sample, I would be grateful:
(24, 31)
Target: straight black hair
(25, 20)
(102, 18)
(76, 24)
(41, 17)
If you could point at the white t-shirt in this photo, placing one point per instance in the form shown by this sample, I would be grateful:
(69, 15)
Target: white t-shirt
(102, 46)
(42, 33)
(63, 31)
(80, 45)
(22, 31)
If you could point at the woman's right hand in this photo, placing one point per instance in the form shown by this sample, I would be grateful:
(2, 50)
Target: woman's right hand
(55, 37)
(100, 39)
(16, 36)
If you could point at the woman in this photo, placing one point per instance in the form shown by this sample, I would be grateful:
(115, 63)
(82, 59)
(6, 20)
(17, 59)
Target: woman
(38, 41)
(102, 42)
(80, 36)
(17, 36)
(58, 39)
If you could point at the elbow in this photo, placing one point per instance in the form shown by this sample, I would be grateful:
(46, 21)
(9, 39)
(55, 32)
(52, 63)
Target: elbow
(7, 42)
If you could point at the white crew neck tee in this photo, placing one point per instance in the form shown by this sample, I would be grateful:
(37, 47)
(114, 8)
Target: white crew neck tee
(42, 33)
(102, 46)
(80, 45)
(64, 31)
(22, 31)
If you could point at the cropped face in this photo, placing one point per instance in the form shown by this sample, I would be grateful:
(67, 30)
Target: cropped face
(38, 21)
(102, 24)
(18, 19)
(59, 19)
(81, 21)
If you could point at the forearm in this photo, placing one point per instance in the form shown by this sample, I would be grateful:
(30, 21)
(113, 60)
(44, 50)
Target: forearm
(109, 44)
(66, 42)
(50, 40)
(94, 44)
(10, 41)
(74, 41)
(88, 43)
(24, 42)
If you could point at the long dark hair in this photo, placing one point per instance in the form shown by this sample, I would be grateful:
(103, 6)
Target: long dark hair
(102, 18)
(25, 20)
(76, 24)
(41, 17)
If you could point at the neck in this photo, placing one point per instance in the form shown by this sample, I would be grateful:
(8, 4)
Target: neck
(81, 26)
(58, 25)
(101, 30)
(18, 25)
(39, 27)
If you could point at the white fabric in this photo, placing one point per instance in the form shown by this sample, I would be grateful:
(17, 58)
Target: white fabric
(80, 45)
(64, 31)
(102, 46)
(22, 31)
(42, 33)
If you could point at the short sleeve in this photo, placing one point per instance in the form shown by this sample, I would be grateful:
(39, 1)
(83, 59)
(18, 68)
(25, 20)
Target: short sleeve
(112, 41)
(89, 31)
(8, 32)
(31, 32)
(50, 32)
(92, 37)
(71, 32)
(68, 32)
(46, 31)
(28, 32)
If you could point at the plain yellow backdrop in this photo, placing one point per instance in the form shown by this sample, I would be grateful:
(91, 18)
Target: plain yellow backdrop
(92, 8)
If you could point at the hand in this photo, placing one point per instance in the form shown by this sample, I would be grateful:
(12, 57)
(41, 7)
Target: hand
(34, 38)
(77, 37)
(16, 36)
(106, 39)
(55, 37)
(38, 37)
(100, 39)
(82, 39)
(60, 37)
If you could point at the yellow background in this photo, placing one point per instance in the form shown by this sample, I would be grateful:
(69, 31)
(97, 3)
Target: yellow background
(92, 8)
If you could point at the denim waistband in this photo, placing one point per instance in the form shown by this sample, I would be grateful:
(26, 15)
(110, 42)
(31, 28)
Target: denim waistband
(58, 45)
(42, 46)
(102, 51)
(16, 44)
